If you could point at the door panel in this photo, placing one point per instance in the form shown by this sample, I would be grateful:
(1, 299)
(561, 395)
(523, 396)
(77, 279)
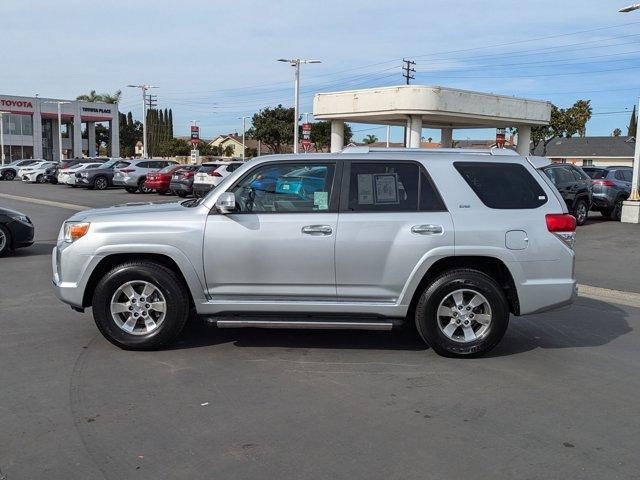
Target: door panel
(377, 252)
(267, 256)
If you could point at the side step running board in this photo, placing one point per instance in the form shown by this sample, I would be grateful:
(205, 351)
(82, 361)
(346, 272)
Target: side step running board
(226, 322)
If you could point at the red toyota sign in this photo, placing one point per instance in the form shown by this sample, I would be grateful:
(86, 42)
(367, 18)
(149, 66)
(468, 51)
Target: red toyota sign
(195, 134)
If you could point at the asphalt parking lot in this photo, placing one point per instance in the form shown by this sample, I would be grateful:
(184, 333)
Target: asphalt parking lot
(556, 399)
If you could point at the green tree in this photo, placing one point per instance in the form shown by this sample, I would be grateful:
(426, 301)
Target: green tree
(92, 96)
(617, 132)
(228, 151)
(369, 139)
(130, 133)
(580, 113)
(273, 127)
(173, 147)
(633, 123)
(321, 134)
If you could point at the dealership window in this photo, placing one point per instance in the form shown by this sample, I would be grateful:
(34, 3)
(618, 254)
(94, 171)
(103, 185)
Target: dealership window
(587, 162)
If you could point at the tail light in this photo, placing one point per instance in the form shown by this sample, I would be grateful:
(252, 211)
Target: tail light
(562, 226)
(214, 174)
(126, 170)
(603, 183)
(187, 174)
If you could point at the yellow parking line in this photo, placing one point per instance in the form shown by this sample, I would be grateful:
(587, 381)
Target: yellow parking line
(40, 201)
(630, 299)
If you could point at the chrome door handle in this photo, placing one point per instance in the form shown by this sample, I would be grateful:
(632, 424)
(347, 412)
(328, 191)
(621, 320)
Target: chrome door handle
(317, 230)
(427, 229)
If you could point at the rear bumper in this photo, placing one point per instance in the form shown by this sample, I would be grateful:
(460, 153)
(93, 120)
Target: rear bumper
(125, 182)
(201, 188)
(181, 187)
(156, 185)
(601, 201)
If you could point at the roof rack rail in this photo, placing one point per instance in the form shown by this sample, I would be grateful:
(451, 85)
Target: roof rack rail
(460, 151)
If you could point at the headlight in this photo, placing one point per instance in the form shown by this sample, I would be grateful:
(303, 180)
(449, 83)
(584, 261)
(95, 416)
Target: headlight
(83, 174)
(21, 218)
(75, 230)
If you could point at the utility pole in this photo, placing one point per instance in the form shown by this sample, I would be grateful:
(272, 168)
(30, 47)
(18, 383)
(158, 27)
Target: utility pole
(143, 88)
(244, 128)
(408, 70)
(59, 102)
(2, 135)
(295, 63)
(388, 134)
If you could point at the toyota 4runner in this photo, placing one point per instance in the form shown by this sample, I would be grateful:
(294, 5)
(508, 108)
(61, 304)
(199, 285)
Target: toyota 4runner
(453, 241)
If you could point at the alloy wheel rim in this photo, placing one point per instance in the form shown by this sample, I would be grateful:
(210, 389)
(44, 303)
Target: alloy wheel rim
(582, 212)
(3, 240)
(138, 307)
(464, 316)
(100, 183)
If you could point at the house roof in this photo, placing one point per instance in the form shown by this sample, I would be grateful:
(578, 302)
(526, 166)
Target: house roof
(589, 147)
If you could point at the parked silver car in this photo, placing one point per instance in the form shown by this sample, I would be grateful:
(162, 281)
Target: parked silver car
(451, 240)
(132, 176)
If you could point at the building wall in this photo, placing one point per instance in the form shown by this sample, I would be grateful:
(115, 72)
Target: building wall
(595, 161)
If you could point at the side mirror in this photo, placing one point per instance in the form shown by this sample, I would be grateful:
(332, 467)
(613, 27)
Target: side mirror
(226, 202)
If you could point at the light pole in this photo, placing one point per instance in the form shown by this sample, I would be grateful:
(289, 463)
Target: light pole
(631, 208)
(59, 102)
(295, 63)
(244, 129)
(2, 135)
(143, 88)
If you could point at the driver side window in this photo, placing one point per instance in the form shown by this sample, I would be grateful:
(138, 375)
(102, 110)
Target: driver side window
(286, 187)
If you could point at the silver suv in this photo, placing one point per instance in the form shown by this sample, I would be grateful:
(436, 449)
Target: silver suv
(452, 241)
(132, 176)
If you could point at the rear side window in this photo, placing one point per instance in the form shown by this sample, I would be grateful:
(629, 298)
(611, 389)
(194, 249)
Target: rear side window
(502, 185)
(143, 165)
(596, 174)
(391, 187)
(628, 174)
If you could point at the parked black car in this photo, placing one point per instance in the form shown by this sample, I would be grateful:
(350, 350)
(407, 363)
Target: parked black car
(575, 187)
(16, 231)
(10, 170)
(611, 187)
(100, 178)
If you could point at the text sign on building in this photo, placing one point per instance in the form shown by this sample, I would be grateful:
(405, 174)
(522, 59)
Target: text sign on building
(195, 157)
(306, 136)
(9, 102)
(195, 134)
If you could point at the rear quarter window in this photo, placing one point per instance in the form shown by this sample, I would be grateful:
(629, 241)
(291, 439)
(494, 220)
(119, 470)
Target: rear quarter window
(507, 186)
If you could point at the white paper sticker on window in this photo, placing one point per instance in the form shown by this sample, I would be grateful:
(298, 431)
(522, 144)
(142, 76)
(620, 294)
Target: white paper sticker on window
(321, 200)
(386, 188)
(365, 189)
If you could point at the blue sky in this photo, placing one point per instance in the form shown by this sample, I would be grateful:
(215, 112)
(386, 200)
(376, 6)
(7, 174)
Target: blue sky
(215, 61)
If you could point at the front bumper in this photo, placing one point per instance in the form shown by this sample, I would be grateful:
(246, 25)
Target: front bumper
(71, 272)
(30, 177)
(22, 233)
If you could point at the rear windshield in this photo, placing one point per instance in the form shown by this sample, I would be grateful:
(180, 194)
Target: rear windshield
(168, 168)
(595, 173)
(502, 185)
(208, 168)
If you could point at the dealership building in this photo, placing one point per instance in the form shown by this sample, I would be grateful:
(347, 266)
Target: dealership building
(30, 127)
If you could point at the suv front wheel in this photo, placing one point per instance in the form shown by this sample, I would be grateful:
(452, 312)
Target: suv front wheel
(140, 305)
(462, 313)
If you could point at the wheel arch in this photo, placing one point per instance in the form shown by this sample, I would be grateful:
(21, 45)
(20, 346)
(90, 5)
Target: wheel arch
(112, 260)
(491, 266)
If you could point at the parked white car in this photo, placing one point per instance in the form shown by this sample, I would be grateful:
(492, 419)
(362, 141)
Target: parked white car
(210, 175)
(70, 178)
(35, 172)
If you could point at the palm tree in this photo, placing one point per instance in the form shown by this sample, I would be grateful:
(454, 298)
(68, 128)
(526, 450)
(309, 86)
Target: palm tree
(617, 132)
(582, 113)
(369, 139)
(92, 96)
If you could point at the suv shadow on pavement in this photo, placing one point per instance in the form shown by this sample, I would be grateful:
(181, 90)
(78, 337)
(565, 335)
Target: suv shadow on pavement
(579, 326)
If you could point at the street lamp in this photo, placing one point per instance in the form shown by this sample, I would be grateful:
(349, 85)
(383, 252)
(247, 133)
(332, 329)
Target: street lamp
(2, 135)
(244, 128)
(295, 63)
(143, 88)
(631, 208)
(59, 102)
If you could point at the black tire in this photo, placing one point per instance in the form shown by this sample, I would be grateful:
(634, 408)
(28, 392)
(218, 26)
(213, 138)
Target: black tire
(9, 175)
(131, 189)
(427, 319)
(581, 211)
(162, 192)
(40, 179)
(142, 188)
(181, 193)
(6, 248)
(101, 183)
(169, 284)
(616, 212)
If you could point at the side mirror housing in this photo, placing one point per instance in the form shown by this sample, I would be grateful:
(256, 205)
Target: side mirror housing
(226, 202)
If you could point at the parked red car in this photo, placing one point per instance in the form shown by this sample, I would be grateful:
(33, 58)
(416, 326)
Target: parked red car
(160, 181)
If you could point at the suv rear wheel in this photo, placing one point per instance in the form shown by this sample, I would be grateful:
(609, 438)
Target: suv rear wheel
(462, 313)
(5, 240)
(9, 175)
(581, 211)
(101, 183)
(140, 305)
(143, 188)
